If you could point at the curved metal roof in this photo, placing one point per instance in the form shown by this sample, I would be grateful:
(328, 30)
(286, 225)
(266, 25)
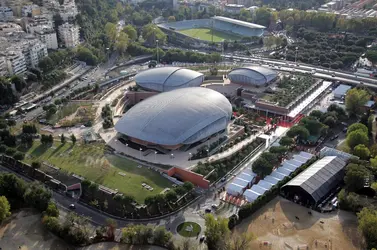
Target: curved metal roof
(258, 74)
(238, 22)
(181, 116)
(320, 177)
(167, 78)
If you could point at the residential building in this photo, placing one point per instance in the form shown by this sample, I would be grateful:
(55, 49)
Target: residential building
(15, 62)
(233, 8)
(69, 35)
(48, 37)
(68, 10)
(34, 51)
(6, 14)
(3, 66)
(36, 23)
(30, 10)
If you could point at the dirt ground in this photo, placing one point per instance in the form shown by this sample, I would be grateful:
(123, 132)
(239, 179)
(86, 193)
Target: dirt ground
(276, 227)
(24, 231)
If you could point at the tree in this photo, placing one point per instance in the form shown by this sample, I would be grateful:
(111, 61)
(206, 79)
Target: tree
(151, 33)
(111, 32)
(10, 151)
(46, 64)
(367, 220)
(286, 141)
(171, 196)
(241, 241)
(62, 139)
(111, 227)
(357, 126)
(362, 151)
(371, 55)
(161, 237)
(122, 43)
(37, 196)
(19, 156)
(262, 16)
(171, 19)
(357, 137)
(356, 177)
(36, 165)
(19, 82)
(316, 113)
(330, 121)
(270, 157)
(3, 148)
(131, 32)
(188, 186)
(279, 150)
(312, 125)
(86, 55)
(299, 131)
(355, 100)
(4, 208)
(52, 210)
(217, 232)
(262, 167)
(52, 224)
(73, 139)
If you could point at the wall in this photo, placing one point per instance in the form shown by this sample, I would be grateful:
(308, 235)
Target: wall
(186, 175)
(136, 97)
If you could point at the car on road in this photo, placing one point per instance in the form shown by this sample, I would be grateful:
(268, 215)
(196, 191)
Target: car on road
(334, 137)
(202, 238)
(72, 206)
(207, 210)
(345, 129)
(214, 206)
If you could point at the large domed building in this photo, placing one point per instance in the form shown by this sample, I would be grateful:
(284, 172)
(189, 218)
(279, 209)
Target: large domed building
(176, 118)
(255, 76)
(168, 78)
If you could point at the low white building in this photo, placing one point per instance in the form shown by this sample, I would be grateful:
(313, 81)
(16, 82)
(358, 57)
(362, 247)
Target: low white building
(6, 14)
(69, 35)
(48, 37)
(233, 8)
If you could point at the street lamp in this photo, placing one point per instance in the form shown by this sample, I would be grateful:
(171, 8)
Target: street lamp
(155, 155)
(126, 149)
(108, 54)
(157, 52)
(172, 156)
(190, 155)
(207, 152)
(140, 152)
(296, 55)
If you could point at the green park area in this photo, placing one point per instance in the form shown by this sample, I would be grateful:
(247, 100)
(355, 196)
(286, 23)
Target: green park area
(206, 34)
(91, 162)
(188, 229)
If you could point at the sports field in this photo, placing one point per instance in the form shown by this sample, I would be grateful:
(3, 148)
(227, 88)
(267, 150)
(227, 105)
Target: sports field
(206, 34)
(91, 162)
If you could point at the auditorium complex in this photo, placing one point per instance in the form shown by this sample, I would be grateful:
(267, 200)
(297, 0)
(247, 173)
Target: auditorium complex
(176, 109)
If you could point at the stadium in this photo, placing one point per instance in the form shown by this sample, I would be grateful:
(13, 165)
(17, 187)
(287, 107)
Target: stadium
(215, 29)
(168, 78)
(255, 76)
(176, 119)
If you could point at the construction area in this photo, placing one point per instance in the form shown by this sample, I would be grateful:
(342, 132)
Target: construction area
(282, 224)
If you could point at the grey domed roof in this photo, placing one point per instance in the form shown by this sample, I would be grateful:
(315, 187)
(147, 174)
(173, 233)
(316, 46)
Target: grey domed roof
(181, 116)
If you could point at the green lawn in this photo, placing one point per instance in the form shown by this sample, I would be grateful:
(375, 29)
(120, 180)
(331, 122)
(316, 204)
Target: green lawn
(181, 229)
(206, 34)
(91, 162)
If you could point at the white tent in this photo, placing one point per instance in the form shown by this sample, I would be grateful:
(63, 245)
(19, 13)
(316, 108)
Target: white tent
(258, 189)
(249, 171)
(234, 189)
(278, 175)
(300, 158)
(306, 155)
(271, 179)
(250, 195)
(283, 170)
(241, 182)
(289, 166)
(265, 184)
(246, 177)
(295, 162)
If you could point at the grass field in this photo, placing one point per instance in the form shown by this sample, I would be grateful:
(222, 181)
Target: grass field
(181, 229)
(206, 34)
(89, 160)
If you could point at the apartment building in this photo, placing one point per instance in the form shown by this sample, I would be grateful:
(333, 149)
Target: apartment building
(69, 35)
(33, 52)
(48, 37)
(15, 62)
(36, 23)
(68, 10)
(6, 14)
(3, 66)
(233, 8)
(30, 10)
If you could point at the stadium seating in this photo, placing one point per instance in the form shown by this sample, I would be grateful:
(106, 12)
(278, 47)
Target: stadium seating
(216, 24)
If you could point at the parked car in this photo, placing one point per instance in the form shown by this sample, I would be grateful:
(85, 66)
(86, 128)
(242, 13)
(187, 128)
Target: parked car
(214, 206)
(334, 137)
(208, 210)
(72, 206)
(202, 238)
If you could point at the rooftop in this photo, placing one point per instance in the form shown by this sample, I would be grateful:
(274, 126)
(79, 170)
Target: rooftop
(238, 22)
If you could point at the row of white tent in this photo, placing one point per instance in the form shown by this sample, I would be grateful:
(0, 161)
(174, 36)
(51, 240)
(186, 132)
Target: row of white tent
(241, 182)
(277, 175)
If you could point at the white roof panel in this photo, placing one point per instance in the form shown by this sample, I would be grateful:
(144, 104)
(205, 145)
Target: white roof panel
(250, 195)
(258, 189)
